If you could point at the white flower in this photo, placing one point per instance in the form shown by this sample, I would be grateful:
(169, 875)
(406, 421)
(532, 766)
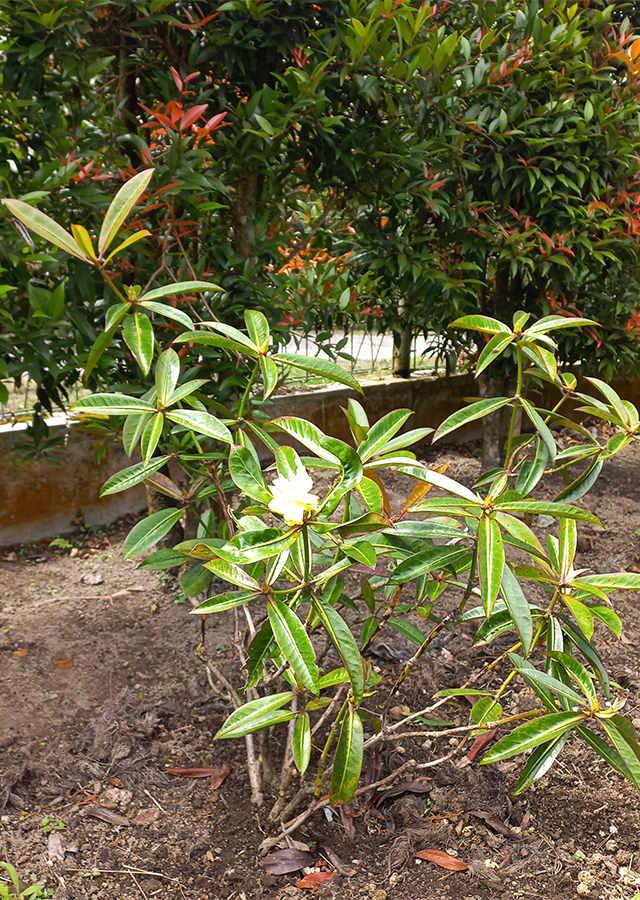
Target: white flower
(291, 497)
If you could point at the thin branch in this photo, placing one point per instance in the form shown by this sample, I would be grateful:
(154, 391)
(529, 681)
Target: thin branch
(304, 241)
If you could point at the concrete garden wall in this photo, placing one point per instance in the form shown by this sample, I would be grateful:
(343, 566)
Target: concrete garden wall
(38, 501)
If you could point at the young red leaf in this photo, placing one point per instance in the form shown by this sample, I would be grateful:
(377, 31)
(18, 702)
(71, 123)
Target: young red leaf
(191, 116)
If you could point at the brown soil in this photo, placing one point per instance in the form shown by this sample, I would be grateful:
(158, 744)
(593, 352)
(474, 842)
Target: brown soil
(110, 694)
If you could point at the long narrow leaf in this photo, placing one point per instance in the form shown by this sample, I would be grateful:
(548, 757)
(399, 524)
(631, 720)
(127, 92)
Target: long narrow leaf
(45, 226)
(121, 206)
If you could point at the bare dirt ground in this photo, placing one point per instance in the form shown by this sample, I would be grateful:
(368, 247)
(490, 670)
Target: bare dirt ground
(100, 693)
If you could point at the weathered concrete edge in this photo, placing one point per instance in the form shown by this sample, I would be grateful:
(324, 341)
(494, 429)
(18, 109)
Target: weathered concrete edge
(38, 501)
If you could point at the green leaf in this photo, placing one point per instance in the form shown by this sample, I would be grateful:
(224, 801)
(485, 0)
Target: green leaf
(552, 323)
(131, 476)
(258, 329)
(581, 613)
(604, 750)
(348, 759)
(540, 762)
(532, 734)
(255, 715)
(362, 552)
(45, 226)
(112, 405)
(150, 437)
(485, 710)
(261, 648)
(230, 572)
(427, 530)
(336, 676)
(539, 507)
(103, 340)
(477, 410)
(164, 559)
(180, 287)
(138, 335)
(422, 473)
(132, 239)
(345, 644)
(121, 206)
(176, 315)
(582, 484)
(167, 374)
(202, 423)
(492, 350)
(307, 433)
(534, 677)
(518, 606)
(618, 581)
(407, 630)
(610, 618)
(302, 742)
(269, 376)
(235, 335)
(323, 368)
(222, 602)
(577, 670)
(407, 439)
(490, 561)
(428, 561)
(195, 580)
(533, 470)
(247, 475)
(481, 323)
(294, 643)
(540, 426)
(148, 532)
(381, 432)
(626, 747)
(349, 460)
(567, 542)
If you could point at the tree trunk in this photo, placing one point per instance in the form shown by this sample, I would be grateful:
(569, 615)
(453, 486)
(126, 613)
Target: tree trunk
(402, 342)
(245, 188)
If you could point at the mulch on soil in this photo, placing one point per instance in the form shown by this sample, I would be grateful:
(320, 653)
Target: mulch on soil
(101, 693)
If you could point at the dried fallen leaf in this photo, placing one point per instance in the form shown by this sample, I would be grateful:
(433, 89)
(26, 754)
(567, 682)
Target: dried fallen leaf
(55, 847)
(11, 557)
(492, 821)
(107, 815)
(482, 742)
(315, 880)
(146, 817)
(66, 663)
(442, 859)
(419, 786)
(284, 861)
(217, 774)
(23, 652)
(347, 823)
(625, 640)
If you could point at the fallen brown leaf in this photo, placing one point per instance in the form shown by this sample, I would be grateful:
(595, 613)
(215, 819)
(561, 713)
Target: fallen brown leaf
(284, 861)
(23, 652)
(11, 557)
(419, 786)
(146, 817)
(315, 880)
(442, 859)
(66, 663)
(482, 742)
(492, 821)
(107, 815)
(217, 774)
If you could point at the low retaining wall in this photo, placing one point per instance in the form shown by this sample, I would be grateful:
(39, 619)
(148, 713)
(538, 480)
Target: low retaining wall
(38, 501)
